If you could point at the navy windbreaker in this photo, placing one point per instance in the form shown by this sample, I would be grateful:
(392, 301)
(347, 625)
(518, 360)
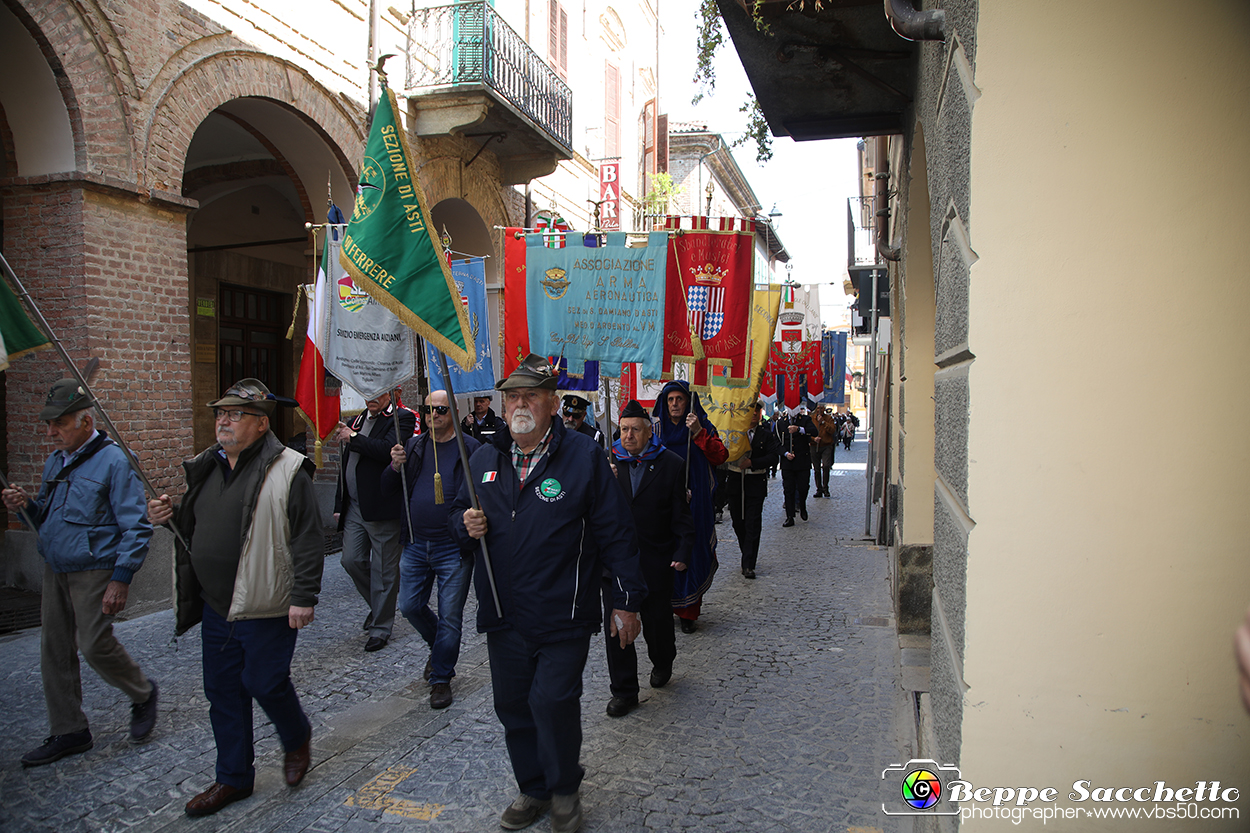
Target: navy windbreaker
(551, 540)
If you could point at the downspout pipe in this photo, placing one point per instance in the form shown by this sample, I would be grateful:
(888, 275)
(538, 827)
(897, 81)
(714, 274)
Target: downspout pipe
(881, 201)
(914, 25)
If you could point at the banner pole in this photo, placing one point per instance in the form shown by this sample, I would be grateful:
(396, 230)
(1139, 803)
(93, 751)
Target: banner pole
(468, 478)
(403, 470)
(77, 374)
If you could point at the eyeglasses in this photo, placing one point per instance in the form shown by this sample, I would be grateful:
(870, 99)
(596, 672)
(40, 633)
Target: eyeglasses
(574, 412)
(441, 410)
(233, 415)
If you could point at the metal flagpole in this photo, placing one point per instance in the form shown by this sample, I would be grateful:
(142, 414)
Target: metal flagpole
(607, 435)
(468, 478)
(77, 374)
(403, 470)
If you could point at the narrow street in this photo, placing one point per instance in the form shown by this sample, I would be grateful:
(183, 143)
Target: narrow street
(783, 710)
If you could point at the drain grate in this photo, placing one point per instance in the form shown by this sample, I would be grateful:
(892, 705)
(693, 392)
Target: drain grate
(18, 609)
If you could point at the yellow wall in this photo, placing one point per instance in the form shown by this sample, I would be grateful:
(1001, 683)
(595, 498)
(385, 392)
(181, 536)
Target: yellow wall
(1110, 561)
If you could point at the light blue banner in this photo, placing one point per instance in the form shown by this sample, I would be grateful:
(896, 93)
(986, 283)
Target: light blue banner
(604, 304)
(470, 278)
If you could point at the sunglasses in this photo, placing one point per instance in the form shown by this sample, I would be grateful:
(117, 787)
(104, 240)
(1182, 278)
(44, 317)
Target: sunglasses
(441, 410)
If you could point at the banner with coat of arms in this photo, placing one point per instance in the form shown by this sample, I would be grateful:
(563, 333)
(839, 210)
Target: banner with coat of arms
(469, 276)
(604, 303)
(794, 363)
(709, 285)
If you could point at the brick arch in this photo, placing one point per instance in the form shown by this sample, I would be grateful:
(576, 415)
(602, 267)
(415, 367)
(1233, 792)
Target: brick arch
(443, 176)
(224, 76)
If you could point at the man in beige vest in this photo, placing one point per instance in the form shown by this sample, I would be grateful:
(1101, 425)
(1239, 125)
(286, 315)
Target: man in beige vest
(250, 581)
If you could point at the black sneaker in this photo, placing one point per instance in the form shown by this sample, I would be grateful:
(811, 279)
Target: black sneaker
(143, 716)
(57, 747)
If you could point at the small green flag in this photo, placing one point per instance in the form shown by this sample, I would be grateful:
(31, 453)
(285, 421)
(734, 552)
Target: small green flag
(18, 334)
(390, 248)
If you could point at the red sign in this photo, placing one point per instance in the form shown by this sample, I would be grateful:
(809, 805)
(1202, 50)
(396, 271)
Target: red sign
(609, 196)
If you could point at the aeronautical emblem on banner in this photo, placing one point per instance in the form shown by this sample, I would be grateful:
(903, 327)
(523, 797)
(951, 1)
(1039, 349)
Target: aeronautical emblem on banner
(370, 190)
(555, 285)
(351, 297)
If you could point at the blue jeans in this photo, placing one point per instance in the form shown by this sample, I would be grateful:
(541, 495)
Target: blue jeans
(421, 563)
(246, 660)
(538, 689)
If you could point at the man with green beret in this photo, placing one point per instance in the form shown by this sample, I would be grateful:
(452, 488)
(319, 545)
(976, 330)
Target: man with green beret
(93, 535)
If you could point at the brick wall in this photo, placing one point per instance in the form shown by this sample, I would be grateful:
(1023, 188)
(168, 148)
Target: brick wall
(109, 273)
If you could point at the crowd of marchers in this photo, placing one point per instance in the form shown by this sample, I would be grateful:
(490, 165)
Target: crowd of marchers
(561, 531)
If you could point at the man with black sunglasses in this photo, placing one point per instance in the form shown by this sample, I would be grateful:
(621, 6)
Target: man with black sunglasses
(369, 520)
(434, 474)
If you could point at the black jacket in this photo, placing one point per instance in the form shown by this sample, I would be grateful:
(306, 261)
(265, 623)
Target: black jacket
(374, 453)
(661, 516)
(550, 540)
(491, 425)
(799, 442)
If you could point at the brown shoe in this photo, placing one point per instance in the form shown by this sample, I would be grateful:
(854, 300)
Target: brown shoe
(216, 797)
(296, 763)
(440, 695)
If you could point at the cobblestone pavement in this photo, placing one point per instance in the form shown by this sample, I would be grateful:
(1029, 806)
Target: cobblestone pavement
(784, 707)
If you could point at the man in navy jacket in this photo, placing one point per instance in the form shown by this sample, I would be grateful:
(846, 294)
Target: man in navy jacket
(552, 520)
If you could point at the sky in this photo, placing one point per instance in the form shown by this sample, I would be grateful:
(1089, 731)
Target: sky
(808, 181)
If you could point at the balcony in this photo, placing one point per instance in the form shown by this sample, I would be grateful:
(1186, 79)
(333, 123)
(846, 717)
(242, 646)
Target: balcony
(469, 73)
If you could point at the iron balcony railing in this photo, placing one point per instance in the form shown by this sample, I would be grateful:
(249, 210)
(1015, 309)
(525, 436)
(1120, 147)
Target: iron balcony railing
(467, 44)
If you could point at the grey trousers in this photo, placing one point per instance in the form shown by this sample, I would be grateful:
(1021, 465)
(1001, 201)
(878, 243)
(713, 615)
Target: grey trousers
(371, 551)
(73, 621)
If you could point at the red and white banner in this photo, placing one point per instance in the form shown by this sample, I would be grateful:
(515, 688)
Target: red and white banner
(708, 296)
(610, 196)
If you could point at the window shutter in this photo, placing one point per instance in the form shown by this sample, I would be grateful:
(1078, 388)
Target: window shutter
(661, 143)
(564, 42)
(553, 33)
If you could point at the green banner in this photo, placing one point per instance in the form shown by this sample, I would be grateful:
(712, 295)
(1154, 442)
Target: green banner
(18, 335)
(391, 250)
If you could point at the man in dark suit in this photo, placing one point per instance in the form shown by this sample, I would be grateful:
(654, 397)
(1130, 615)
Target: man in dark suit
(370, 522)
(746, 486)
(794, 433)
(654, 480)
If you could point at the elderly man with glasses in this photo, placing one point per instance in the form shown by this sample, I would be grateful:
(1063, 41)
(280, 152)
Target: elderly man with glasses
(252, 578)
(434, 474)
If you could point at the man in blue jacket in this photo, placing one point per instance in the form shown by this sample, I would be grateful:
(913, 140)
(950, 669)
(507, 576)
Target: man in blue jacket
(93, 535)
(552, 520)
(431, 464)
